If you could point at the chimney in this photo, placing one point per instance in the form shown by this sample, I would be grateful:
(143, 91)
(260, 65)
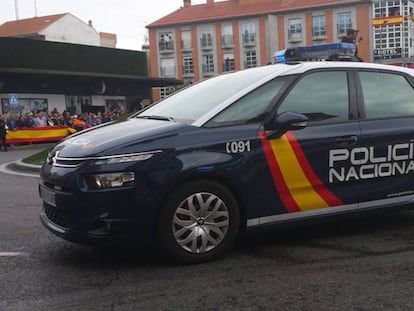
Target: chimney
(90, 23)
(187, 3)
(210, 2)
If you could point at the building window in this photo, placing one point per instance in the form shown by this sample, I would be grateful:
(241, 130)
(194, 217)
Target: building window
(344, 23)
(188, 65)
(250, 59)
(387, 8)
(249, 34)
(208, 64)
(26, 105)
(295, 30)
(186, 43)
(227, 35)
(167, 68)
(228, 62)
(206, 40)
(319, 26)
(389, 38)
(166, 42)
(165, 91)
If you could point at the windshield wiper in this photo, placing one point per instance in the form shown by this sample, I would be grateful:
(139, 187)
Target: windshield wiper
(153, 117)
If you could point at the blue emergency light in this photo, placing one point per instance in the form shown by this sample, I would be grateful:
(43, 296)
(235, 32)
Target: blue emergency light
(331, 51)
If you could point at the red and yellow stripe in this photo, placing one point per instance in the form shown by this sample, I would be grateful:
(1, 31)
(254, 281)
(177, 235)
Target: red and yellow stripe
(39, 134)
(387, 21)
(298, 186)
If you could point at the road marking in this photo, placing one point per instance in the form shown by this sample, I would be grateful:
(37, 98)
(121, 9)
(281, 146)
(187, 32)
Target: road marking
(10, 254)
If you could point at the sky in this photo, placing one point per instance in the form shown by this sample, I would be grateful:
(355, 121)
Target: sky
(125, 18)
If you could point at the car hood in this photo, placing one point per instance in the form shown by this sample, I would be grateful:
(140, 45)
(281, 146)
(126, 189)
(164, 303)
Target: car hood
(117, 138)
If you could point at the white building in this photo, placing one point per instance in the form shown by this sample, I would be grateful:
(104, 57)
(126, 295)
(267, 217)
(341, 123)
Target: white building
(58, 28)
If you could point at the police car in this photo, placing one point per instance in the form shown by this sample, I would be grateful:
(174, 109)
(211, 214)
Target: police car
(238, 151)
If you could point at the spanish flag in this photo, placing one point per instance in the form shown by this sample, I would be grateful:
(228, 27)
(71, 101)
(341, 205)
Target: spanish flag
(387, 21)
(39, 134)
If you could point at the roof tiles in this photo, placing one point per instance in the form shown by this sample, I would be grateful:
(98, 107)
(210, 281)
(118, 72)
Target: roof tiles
(28, 26)
(239, 8)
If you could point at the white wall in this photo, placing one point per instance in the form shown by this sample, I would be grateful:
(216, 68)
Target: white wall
(70, 29)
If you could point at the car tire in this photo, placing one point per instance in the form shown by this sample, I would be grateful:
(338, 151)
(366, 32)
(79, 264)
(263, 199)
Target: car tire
(198, 223)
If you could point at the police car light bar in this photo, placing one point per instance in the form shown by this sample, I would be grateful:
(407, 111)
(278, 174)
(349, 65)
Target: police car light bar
(331, 51)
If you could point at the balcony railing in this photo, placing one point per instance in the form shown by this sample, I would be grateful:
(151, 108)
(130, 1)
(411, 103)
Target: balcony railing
(250, 64)
(341, 29)
(207, 69)
(166, 46)
(168, 71)
(206, 42)
(227, 41)
(318, 33)
(228, 65)
(249, 39)
(186, 44)
(295, 36)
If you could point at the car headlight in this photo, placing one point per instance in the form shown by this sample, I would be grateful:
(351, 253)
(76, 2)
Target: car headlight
(123, 158)
(110, 180)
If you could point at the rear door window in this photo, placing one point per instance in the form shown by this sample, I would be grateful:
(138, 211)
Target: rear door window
(386, 95)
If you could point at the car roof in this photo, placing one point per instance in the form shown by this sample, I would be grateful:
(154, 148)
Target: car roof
(306, 66)
(292, 68)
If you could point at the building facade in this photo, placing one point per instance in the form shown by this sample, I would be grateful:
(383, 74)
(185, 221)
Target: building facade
(198, 41)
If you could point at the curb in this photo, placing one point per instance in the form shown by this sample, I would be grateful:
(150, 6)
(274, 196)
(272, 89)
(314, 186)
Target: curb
(20, 168)
(20, 165)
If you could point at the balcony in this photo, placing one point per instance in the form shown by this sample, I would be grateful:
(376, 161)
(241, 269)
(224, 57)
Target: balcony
(250, 64)
(207, 70)
(228, 65)
(186, 45)
(227, 41)
(249, 39)
(295, 37)
(318, 34)
(166, 46)
(168, 71)
(341, 29)
(206, 43)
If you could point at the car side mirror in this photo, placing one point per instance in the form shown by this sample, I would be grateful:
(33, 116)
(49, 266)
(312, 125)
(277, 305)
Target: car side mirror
(286, 121)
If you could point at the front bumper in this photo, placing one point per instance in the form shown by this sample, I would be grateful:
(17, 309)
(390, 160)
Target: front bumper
(95, 218)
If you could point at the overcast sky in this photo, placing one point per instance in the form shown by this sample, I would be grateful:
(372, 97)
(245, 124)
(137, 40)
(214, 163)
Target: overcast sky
(125, 18)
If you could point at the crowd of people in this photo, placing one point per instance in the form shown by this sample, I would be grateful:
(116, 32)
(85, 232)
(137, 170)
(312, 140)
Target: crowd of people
(39, 119)
(54, 118)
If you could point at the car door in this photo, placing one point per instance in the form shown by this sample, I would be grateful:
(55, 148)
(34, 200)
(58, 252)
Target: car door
(294, 174)
(305, 165)
(386, 172)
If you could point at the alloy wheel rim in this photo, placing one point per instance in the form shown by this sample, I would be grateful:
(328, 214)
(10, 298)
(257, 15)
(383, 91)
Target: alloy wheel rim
(200, 223)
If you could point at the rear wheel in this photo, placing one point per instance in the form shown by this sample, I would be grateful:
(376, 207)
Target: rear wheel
(198, 222)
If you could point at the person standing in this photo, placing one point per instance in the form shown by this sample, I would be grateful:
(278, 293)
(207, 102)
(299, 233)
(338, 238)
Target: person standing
(351, 36)
(3, 132)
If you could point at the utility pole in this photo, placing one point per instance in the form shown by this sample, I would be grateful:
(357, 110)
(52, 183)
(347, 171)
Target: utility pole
(35, 7)
(16, 9)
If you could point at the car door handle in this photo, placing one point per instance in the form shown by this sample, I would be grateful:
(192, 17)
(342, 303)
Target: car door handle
(346, 140)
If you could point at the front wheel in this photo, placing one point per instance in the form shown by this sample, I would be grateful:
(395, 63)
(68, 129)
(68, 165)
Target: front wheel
(198, 222)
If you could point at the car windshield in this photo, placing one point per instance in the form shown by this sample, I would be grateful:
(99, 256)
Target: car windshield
(196, 100)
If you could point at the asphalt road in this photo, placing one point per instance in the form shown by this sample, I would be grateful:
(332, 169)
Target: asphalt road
(362, 263)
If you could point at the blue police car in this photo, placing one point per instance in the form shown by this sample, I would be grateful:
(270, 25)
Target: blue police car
(238, 151)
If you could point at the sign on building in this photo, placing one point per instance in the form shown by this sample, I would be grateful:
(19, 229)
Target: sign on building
(13, 100)
(387, 53)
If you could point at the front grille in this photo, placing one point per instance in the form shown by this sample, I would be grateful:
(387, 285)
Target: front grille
(59, 216)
